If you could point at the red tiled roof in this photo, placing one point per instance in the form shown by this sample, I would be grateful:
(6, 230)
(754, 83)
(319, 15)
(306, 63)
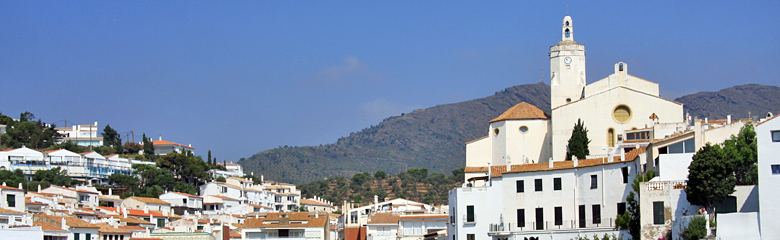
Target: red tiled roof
(313, 202)
(498, 171)
(150, 200)
(410, 216)
(9, 211)
(355, 233)
(140, 212)
(271, 220)
(380, 218)
(11, 188)
(475, 169)
(522, 111)
(47, 227)
(163, 142)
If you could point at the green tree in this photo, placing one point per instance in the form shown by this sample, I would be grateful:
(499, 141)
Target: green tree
(209, 158)
(630, 219)
(710, 177)
(578, 143)
(742, 152)
(123, 180)
(54, 176)
(132, 148)
(380, 174)
(148, 148)
(220, 179)
(112, 139)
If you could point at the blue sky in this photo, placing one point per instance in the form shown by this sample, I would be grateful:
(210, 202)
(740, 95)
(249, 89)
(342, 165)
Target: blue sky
(241, 77)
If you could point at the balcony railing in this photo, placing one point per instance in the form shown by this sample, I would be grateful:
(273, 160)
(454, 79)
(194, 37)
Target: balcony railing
(503, 228)
(660, 186)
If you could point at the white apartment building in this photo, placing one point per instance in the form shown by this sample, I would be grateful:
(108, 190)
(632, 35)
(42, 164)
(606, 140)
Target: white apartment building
(768, 137)
(88, 166)
(82, 135)
(183, 202)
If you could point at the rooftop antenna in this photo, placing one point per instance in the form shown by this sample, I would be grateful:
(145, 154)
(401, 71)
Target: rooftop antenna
(541, 79)
(567, 9)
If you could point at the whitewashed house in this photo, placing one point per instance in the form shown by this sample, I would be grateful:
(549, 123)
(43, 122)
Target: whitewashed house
(288, 225)
(183, 202)
(768, 136)
(82, 135)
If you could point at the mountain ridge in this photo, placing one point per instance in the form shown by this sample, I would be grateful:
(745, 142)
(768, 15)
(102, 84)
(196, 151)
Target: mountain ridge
(435, 137)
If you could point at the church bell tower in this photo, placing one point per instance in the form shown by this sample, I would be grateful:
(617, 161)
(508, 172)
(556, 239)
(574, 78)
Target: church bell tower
(567, 67)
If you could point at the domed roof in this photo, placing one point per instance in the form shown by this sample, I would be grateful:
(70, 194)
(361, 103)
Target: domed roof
(522, 111)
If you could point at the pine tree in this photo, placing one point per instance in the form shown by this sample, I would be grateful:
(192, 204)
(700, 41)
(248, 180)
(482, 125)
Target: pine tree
(578, 143)
(148, 148)
(210, 159)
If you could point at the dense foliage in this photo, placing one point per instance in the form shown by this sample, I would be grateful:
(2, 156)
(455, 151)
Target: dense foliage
(27, 132)
(710, 177)
(413, 184)
(697, 229)
(578, 143)
(742, 153)
(180, 172)
(44, 178)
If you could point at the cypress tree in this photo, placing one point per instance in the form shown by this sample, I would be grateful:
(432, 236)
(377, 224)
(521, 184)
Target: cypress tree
(578, 143)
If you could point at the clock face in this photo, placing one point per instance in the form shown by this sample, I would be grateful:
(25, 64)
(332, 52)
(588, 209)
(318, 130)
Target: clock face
(567, 60)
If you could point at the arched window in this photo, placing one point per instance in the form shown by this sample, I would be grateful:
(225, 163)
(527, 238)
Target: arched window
(611, 137)
(620, 67)
(567, 23)
(568, 34)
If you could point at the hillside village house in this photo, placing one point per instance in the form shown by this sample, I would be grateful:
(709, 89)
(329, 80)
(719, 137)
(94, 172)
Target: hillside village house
(532, 190)
(162, 147)
(154, 204)
(82, 135)
(768, 137)
(183, 202)
(86, 196)
(298, 225)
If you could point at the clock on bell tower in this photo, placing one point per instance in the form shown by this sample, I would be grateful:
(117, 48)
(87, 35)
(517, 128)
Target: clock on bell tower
(567, 67)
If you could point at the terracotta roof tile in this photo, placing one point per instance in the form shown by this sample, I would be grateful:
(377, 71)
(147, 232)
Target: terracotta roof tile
(105, 228)
(475, 169)
(9, 211)
(271, 220)
(498, 171)
(150, 200)
(163, 142)
(11, 188)
(132, 228)
(313, 202)
(47, 227)
(522, 111)
(71, 221)
(380, 218)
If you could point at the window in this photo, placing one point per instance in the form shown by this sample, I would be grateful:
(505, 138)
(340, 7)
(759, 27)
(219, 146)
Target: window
(523, 129)
(775, 136)
(658, 212)
(775, 169)
(184, 200)
(76, 236)
(596, 214)
(567, 33)
(87, 236)
(556, 184)
(11, 199)
(625, 174)
(687, 146)
(161, 222)
(495, 131)
(470, 213)
(611, 137)
(621, 208)
(558, 216)
(582, 216)
(538, 183)
(520, 186)
(594, 182)
(539, 219)
(470, 236)
(621, 114)
(520, 218)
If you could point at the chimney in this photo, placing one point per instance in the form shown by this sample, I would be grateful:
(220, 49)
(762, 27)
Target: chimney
(64, 225)
(39, 188)
(576, 161)
(95, 124)
(146, 209)
(109, 192)
(124, 213)
(160, 137)
(550, 163)
(728, 119)
(261, 178)
(706, 120)
(622, 155)
(20, 186)
(151, 220)
(4, 184)
(376, 203)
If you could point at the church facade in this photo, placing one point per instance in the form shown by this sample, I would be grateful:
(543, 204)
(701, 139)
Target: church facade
(519, 183)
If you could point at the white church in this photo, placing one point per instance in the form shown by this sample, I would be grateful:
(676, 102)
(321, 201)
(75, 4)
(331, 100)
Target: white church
(519, 184)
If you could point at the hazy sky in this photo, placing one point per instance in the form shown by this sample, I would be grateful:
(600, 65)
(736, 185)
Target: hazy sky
(243, 77)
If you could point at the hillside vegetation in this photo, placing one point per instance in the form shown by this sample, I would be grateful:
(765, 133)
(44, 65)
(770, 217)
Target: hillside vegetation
(434, 138)
(414, 184)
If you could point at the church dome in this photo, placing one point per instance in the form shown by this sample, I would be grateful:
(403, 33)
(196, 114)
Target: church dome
(522, 111)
